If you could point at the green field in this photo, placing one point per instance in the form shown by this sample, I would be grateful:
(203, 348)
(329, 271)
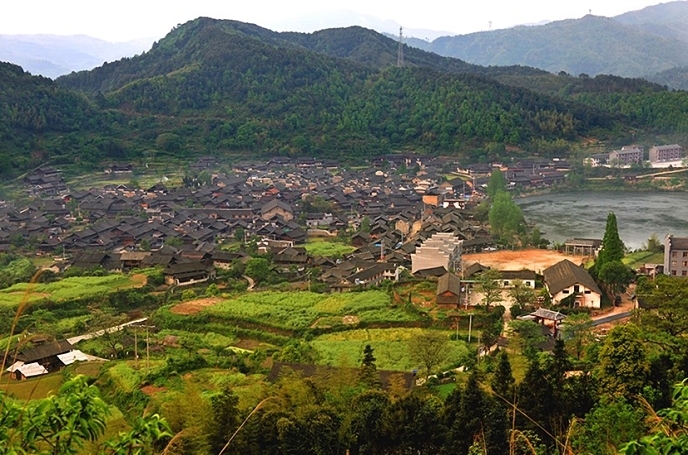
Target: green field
(301, 310)
(391, 348)
(640, 258)
(32, 389)
(325, 247)
(66, 289)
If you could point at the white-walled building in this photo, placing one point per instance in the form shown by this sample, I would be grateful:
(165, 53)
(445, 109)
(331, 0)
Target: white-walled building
(565, 279)
(441, 250)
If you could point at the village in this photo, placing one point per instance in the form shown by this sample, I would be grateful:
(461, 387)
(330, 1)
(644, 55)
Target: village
(407, 217)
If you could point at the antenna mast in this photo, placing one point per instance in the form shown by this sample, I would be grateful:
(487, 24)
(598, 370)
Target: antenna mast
(400, 54)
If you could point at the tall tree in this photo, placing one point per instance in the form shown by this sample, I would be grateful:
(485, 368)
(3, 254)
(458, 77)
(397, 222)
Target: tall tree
(503, 379)
(665, 306)
(577, 330)
(506, 218)
(615, 275)
(368, 373)
(488, 286)
(613, 248)
(623, 366)
(429, 349)
(496, 184)
(521, 294)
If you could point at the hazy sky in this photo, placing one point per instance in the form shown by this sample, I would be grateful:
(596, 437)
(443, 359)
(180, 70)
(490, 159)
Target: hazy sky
(129, 19)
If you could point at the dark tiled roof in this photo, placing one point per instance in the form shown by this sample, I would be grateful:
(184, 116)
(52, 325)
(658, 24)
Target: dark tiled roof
(449, 282)
(565, 274)
(43, 351)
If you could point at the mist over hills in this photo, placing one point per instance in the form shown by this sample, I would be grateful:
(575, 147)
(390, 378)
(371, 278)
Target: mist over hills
(54, 55)
(635, 44)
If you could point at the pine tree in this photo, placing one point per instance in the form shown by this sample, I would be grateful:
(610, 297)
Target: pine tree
(368, 374)
(612, 247)
(503, 379)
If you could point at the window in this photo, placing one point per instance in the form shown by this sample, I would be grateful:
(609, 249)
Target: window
(685, 254)
(673, 272)
(587, 292)
(506, 283)
(684, 272)
(674, 254)
(673, 263)
(565, 291)
(684, 263)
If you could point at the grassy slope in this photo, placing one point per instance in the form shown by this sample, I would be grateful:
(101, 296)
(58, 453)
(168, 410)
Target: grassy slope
(68, 288)
(640, 258)
(390, 345)
(327, 248)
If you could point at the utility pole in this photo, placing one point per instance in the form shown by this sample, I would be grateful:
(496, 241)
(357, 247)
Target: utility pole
(148, 350)
(136, 348)
(400, 53)
(470, 326)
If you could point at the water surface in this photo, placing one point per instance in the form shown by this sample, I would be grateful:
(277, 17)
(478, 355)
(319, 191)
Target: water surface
(584, 215)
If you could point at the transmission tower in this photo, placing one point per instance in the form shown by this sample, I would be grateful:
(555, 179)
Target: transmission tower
(400, 53)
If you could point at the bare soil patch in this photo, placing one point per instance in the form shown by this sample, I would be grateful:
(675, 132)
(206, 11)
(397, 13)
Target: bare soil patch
(139, 280)
(195, 306)
(151, 390)
(349, 320)
(535, 260)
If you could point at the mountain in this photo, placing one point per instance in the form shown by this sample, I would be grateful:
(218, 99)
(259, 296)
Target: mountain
(676, 78)
(226, 85)
(356, 44)
(230, 88)
(54, 55)
(591, 45)
(668, 20)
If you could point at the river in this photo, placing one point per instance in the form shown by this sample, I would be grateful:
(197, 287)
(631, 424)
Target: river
(561, 216)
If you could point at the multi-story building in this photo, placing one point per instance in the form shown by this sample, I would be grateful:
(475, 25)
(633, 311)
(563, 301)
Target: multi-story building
(441, 250)
(676, 256)
(626, 156)
(662, 153)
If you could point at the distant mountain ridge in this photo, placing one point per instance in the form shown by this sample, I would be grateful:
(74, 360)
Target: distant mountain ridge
(634, 44)
(55, 55)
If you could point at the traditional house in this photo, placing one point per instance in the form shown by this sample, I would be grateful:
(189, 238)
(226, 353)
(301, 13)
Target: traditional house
(40, 359)
(565, 279)
(276, 208)
(188, 273)
(448, 290)
(527, 277)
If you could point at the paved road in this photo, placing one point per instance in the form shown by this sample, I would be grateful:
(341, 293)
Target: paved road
(99, 333)
(611, 318)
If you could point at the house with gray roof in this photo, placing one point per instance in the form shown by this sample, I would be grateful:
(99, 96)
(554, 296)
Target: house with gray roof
(565, 279)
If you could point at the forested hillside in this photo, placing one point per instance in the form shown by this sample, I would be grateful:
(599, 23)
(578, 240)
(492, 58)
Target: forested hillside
(591, 45)
(33, 106)
(218, 87)
(259, 92)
